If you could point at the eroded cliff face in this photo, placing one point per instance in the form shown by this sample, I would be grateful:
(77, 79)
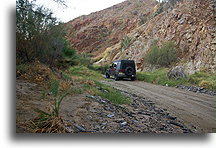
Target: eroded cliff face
(190, 25)
(95, 32)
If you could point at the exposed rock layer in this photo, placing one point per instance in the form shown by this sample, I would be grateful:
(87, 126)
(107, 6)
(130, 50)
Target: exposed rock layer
(95, 32)
(190, 24)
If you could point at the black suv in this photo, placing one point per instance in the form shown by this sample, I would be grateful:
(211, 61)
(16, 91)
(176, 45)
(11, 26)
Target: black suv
(122, 69)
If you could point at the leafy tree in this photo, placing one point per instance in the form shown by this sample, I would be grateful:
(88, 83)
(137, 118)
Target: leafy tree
(38, 34)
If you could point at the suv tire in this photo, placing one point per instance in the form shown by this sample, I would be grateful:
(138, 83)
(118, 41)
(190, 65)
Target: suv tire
(116, 78)
(129, 71)
(107, 75)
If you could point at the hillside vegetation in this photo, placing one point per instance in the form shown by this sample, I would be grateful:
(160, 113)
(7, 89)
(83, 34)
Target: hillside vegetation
(159, 76)
(50, 70)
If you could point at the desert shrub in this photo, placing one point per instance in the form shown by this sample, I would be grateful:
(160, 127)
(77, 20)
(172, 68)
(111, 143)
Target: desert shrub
(159, 76)
(203, 79)
(84, 59)
(164, 56)
(167, 54)
(142, 20)
(70, 57)
(85, 72)
(152, 56)
(125, 42)
(69, 52)
(100, 69)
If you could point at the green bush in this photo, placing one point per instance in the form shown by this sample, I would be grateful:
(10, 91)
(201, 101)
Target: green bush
(101, 69)
(152, 56)
(69, 53)
(72, 58)
(160, 77)
(84, 59)
(125, 42)
(164, 56)
(202, 79)
(85, 72)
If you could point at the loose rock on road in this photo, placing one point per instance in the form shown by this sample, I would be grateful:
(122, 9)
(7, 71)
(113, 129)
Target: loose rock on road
(197, 111)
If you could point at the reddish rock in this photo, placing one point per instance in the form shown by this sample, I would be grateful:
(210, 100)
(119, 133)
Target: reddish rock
(95, 32)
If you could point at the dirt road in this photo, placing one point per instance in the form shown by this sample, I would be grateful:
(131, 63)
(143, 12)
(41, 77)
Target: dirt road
(197, 111)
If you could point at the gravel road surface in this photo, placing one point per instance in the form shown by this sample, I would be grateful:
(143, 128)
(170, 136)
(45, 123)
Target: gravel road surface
(197, 111)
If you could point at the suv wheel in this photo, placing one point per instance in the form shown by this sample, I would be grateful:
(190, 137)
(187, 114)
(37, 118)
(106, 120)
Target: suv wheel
(129, 71)
(116, 77)
(107, 75)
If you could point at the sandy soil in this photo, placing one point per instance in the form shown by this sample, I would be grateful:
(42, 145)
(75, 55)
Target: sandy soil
(93, 114)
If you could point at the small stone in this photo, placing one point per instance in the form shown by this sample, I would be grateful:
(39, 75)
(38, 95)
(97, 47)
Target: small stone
(106, 91)
(104, 123)
(176, 124)
(103, 127)
(171, 117)
(102, 101)
(181, 21)
(119, 120)
(79, 128)
(91, 97)
(135, 121)
(110, 115)
(123, 123)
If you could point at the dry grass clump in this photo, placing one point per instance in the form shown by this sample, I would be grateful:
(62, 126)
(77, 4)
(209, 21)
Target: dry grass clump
(88, 82)
(51, 125)
(35, 72)
(65, 85)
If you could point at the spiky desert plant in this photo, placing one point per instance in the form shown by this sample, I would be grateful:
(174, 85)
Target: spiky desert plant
(126, 41)
(57, 99)
(50, 122)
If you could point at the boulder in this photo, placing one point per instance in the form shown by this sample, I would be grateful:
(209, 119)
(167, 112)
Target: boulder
(176, 73)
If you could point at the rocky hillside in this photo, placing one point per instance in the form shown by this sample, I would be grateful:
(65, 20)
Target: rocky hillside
(95, 32)
(190, 24)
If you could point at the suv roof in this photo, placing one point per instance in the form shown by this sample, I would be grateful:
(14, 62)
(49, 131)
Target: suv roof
(125, 61)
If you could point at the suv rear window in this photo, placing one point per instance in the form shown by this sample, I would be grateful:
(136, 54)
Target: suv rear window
(126, 64)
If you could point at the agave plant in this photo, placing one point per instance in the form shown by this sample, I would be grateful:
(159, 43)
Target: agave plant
(57, 99)
(50, 122)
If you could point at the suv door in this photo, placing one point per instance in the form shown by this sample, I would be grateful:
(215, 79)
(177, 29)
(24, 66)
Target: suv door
(113, 69)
